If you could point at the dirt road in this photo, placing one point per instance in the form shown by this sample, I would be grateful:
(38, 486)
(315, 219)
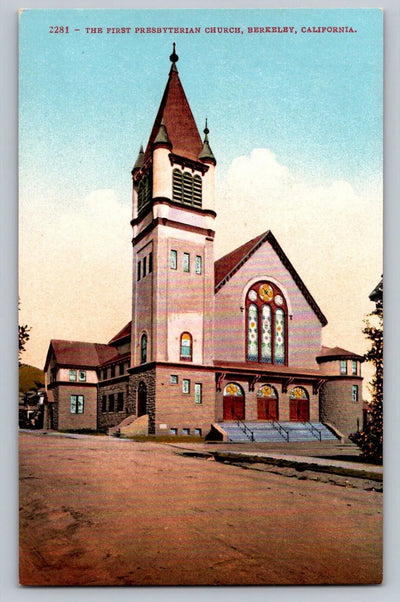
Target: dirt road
(99, 511)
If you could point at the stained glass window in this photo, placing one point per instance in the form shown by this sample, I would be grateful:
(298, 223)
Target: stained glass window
(266, 324)
(266, 348)
(186, 346)
(252, 333)
(267, 391)
(233, 389)
(279, 337)
(298, 393)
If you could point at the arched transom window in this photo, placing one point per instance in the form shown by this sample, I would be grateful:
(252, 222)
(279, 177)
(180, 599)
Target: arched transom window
(186, 347)
(266, 324)
(186, 188)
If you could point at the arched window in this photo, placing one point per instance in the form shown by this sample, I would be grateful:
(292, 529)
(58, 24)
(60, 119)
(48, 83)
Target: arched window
(266, 324)
(186, 188)
(144, 192)
(143, 348)
(186, 347)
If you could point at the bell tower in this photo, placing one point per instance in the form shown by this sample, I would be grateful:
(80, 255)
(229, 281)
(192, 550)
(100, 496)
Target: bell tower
(173, 241)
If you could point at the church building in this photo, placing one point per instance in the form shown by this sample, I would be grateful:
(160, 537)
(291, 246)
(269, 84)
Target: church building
(228, 349)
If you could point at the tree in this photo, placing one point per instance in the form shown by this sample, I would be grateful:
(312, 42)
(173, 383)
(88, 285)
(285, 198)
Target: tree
(23, 338)
(370, 440)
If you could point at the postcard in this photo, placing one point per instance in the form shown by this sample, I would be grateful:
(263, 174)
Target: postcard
(200, 297)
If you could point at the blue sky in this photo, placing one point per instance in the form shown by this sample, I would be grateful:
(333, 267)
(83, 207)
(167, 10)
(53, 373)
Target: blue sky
(310, 102)
(315, 99)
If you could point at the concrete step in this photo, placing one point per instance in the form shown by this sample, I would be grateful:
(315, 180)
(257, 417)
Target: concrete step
(267, 432)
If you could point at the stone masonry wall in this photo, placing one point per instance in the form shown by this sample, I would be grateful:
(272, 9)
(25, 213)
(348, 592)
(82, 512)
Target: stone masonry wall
(337, 407)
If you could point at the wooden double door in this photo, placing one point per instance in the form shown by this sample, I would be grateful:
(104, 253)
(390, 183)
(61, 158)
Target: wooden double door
(299, 410)
(267, 408)
(233, 407)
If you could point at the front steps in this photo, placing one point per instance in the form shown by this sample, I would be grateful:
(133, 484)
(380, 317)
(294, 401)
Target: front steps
(265, 432)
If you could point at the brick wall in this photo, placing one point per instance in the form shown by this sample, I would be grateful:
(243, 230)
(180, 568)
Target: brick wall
(68, 421)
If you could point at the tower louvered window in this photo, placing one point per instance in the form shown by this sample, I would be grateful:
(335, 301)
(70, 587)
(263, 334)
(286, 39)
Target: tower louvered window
(186, 188)
(144, 192)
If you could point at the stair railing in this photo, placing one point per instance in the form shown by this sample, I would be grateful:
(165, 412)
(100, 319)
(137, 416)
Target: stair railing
(316, 432)
(247, 431)
(276, 425)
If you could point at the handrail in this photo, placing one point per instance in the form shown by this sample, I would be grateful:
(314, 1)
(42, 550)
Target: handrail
(313, 429)
(244, 427)
(276, 425)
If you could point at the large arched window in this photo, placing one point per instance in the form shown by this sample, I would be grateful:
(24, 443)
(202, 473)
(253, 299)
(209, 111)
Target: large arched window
(143, 348)
(266, 324)
(186, 188)
(186, 347)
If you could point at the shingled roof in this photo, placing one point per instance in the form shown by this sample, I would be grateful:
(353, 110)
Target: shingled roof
(178, 119)
(124, 333)
(78, 353)
(229, 264)
(337, 353)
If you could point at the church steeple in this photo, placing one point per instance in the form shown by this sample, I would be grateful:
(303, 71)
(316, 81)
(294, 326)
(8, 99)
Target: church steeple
(178, 119)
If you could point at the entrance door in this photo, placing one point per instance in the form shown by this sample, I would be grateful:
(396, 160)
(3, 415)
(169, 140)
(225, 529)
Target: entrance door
(142, 399)
(267, 409)
(299, 405)
(233, 402)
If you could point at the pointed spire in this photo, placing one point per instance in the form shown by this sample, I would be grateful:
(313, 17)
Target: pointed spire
(162, 135)
(174, 58)
(206, 153)
(139, 160)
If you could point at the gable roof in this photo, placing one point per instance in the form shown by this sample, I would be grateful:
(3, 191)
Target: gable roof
(124, 333)
(337, 353)
(229, 264)
(77, 353)
(178, 119)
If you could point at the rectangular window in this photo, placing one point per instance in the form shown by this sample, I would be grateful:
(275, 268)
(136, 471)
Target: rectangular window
(186, 262)
(82, 376)
(144, 266)
(104, 403)
(139, 272)
(199, 264)
(150, 262)
(173, 379)
(53, 375)
(76, 404)
(354, 367)
(173, 259)
(197, 432)
(104, 373)
(121, 369)
(112, 371)
(185, 385)
(185, 431)
(198, 397)
(354, 392)
(120, 402)
(72, 375)
(173, 431)
(111, 403)
(343, 366)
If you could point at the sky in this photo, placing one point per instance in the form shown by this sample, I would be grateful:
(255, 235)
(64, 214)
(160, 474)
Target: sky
(295, 124)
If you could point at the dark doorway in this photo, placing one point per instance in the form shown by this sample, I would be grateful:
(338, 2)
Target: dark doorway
(142, 399)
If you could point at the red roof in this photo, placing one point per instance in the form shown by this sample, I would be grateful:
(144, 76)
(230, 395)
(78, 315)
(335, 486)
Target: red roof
(179, 121)
(337, 353)
(229, 264)
(76, 353)
(125, 332)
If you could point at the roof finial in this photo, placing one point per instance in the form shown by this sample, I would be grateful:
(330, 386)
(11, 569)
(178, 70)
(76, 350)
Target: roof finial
(206, 130)
(174, 58)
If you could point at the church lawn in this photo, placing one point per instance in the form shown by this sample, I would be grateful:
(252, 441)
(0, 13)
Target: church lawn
(101, 511)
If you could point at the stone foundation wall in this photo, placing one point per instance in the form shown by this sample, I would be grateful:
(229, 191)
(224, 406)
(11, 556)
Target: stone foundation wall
(147, 377)
(107, 418)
